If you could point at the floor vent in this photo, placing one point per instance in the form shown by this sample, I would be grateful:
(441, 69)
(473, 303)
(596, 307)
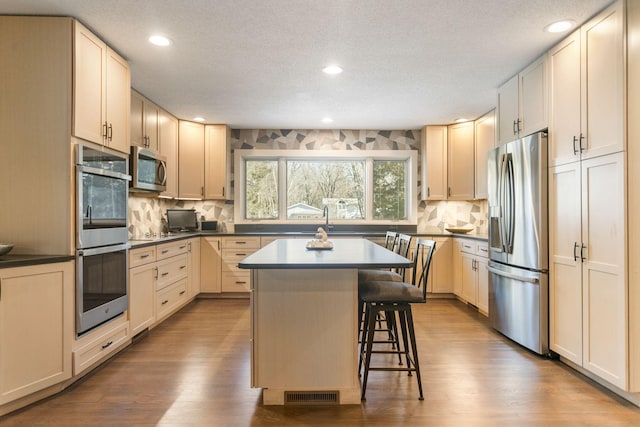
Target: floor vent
(311, 397)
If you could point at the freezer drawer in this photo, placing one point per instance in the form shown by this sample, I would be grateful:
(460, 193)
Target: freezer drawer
(519, 305)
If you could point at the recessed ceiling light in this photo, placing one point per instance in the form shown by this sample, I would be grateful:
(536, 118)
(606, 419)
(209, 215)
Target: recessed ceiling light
(461, 120)
(159, 40)
(332, 69)
(560, 26)
(327, 120)
(198, 119)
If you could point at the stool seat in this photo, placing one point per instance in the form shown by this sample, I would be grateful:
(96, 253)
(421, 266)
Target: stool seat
(370, 275)
(387, 291)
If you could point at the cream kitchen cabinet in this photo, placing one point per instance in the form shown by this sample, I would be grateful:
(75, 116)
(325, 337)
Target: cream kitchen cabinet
(210, 264)
(168, 136)
(440, 279)
(99, 344)
(588, 291)
(485, 136)
(142, 291)
(461, 160)
(587, 90)
(522, 103)
(36, 328)
(101, 96)
(217, 158)
(190, 160)
(472, 273)
(193, 260)
(235, 249)
(145, 116)
(434, 162)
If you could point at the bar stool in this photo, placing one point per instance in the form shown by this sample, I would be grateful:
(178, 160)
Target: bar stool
(395, 298)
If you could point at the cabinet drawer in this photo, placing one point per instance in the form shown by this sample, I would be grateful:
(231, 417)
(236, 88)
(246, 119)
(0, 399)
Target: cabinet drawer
(468, 246)
(231, 258)
(264, 241)
(241, 242)
(171, 298)
(171, 270)
(166, 250)
(482, 249)
(236, 281)
(101, 347)
(142, 256)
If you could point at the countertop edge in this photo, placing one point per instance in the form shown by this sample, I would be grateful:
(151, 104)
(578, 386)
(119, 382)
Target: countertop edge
(10, 261)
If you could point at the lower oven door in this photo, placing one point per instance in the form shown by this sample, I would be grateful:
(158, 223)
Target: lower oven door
(101, 285)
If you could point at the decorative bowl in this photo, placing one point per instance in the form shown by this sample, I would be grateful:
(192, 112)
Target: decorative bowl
(5, 248)
(459, 230)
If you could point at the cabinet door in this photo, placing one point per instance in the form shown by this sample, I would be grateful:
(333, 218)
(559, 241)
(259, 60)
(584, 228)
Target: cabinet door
(217, 146)
(456, 250)
(190, 160)
(142, 297)
(603, 268)
(564, 126)
(565, 269)
(118, 93)
(484, 141)
(603, 86)
(210, 264)
(37, 327)
(460, 176)
(89, 68)
(482, 275)
(507, 109)
(469, 286)
(434, 162)
(136, 120)
(194, 267)
(151, 118)
(168, 136)
(440, 271)
(533, 97)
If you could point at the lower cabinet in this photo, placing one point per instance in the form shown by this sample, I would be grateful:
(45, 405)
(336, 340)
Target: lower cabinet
(470, 273)
(36, 328)
(142, 291)
(440, 279)
(210, 264)
(89, 350)
(235, 249)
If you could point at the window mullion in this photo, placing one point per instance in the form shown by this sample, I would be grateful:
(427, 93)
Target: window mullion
(368, 183)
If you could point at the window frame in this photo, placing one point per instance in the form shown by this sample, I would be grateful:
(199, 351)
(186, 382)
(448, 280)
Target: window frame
(369, 156)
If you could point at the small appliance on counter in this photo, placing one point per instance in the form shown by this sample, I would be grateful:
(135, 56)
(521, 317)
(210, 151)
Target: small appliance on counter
(182, 220)
(209, 225)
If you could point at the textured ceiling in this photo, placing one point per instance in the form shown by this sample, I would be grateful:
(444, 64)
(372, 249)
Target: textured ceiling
(257, 63)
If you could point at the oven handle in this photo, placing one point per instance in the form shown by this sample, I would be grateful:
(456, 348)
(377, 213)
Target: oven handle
(103, 249)
(103, 172)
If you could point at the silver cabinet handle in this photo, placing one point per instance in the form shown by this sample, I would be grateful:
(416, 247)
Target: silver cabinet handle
(513, 276)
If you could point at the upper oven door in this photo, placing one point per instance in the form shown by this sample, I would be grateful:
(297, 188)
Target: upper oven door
(102, 191)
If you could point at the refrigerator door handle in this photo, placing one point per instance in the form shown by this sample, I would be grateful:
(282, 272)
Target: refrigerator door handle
(512, 203)
(513, 276)
(502, 201)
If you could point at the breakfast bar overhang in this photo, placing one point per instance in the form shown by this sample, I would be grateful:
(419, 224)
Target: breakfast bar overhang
(304, 318)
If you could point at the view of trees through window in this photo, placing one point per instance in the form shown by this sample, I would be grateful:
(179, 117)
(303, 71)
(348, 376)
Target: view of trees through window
(389, 189)
(347, 187)
(339, 185)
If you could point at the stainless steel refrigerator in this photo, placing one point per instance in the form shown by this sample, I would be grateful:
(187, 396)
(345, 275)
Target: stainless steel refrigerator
(518, 241)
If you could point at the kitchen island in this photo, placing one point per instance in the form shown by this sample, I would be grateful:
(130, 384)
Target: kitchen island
(304, 318)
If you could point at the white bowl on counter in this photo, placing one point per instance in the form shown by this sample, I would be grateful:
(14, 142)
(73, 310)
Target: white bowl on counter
(5, 248)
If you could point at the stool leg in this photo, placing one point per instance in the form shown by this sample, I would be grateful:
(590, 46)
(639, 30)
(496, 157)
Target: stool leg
(412, 336)
(405, 340)
(363, 334)
(370, 312)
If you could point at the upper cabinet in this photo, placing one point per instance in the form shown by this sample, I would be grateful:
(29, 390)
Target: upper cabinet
(217, 155)
(434, 162)
(522, 104)
(461, 161)
(190, 160)
(587, 90)
(485, 136)
(102, 81)
(145, 117)
(168, 137)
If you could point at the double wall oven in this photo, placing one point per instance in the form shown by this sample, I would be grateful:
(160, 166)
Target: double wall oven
(102, 185)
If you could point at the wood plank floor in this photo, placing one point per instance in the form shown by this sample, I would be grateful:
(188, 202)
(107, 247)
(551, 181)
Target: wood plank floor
(193, 370)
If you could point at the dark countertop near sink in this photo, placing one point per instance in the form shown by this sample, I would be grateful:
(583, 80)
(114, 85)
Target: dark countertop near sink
(7, 261)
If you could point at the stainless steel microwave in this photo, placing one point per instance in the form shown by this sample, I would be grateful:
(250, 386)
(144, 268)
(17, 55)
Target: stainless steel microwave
(148, 170)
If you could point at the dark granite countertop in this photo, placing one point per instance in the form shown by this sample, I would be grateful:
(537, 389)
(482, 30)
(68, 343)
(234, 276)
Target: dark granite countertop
(7, 261)
(346, 253)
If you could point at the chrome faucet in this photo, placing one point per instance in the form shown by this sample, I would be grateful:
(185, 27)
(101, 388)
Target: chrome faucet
(325, 215)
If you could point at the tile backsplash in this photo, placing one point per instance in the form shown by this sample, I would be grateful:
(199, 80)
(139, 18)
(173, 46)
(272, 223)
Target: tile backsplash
(146, 214)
